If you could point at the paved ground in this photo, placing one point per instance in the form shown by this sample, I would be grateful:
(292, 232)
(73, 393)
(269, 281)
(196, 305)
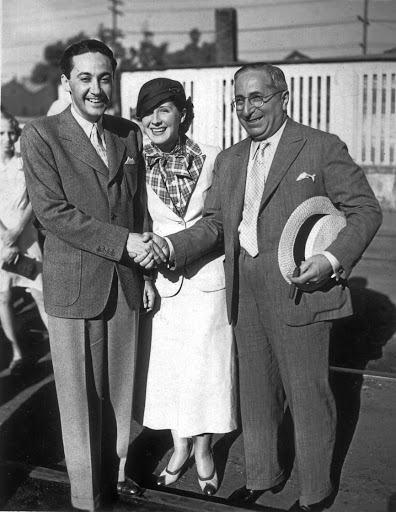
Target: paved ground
(32, 471)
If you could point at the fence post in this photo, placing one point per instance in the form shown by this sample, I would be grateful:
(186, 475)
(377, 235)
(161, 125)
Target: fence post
(343, 105)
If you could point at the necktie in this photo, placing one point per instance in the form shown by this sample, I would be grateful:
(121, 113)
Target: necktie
(98, 144)
(254, 192)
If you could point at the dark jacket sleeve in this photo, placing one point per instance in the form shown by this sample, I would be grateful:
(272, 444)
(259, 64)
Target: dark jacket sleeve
(206, 235)
(348, 189)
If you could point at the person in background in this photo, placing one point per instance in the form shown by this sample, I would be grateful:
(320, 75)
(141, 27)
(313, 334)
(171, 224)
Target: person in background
(17, 235)
(86, 180)
(191, 375)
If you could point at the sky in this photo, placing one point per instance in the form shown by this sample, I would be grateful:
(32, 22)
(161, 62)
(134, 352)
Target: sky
(268, 30)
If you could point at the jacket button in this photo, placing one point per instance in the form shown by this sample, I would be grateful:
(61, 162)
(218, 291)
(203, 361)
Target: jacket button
(114, 216)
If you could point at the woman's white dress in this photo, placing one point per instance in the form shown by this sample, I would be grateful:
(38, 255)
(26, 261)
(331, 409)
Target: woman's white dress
(13, 201)
(191, 384)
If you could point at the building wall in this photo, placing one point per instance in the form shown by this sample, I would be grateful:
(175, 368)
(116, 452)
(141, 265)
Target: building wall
(21, 102)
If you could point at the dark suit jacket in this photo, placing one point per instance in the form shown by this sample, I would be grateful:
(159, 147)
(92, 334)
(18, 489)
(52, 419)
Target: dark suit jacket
(87, 210)
(300, 149)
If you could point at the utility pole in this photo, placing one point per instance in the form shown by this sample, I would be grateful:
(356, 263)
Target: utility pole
(366, 23)
(115, 12)
(115, 34)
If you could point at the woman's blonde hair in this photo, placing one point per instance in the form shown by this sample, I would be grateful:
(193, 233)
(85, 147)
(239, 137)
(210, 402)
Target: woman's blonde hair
(14, 123)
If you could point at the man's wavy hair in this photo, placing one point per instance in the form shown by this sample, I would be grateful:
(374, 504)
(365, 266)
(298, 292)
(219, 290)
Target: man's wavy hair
(85, 46)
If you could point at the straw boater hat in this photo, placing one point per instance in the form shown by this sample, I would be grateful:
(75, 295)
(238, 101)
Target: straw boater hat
(310, 229)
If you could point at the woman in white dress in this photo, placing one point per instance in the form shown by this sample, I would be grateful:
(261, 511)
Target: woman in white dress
(17, 234)
(191, 375)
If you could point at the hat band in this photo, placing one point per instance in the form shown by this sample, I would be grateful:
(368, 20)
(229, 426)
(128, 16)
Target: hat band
(302, 237)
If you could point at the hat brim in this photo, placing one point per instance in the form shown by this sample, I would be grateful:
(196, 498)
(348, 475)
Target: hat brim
(146, 107)
(296, 245)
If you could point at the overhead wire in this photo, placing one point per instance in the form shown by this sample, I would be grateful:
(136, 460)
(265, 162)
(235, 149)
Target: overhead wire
(253, 29)
(291, 26)
(307, 47)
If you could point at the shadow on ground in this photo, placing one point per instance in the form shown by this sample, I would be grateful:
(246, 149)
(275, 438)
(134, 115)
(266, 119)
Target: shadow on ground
(358, 340)
(31, 435)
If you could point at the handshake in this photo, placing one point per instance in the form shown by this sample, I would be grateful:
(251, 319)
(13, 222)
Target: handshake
(148, 249)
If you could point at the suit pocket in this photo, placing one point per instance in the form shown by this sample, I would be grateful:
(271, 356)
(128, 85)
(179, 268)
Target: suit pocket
(332, 297)
(61, 273)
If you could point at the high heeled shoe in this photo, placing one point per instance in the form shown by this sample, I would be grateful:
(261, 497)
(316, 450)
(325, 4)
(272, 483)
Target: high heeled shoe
(210, 484)
(168, 477)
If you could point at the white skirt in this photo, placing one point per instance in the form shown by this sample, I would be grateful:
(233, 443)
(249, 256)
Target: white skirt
(191, 382)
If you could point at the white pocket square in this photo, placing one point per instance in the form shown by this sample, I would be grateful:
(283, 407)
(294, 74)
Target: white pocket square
(130, 160)
(305, 175)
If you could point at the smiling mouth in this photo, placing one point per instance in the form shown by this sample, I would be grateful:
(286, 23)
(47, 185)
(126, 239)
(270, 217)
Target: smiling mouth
(253, 121)
(157, 131)
(95, 101)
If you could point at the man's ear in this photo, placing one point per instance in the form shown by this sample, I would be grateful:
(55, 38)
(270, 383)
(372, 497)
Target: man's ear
(285, 100)
(65, 83)
(183, 115)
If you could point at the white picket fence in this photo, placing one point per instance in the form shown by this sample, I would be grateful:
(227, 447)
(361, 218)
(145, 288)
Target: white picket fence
(355, 100)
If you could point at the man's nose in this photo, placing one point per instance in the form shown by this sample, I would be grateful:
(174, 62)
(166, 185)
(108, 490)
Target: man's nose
(95, 87)
(247, 107)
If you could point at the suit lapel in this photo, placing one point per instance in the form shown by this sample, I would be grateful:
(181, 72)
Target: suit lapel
(289, 146)
(238, 171)
(80, 145)
(115, 151)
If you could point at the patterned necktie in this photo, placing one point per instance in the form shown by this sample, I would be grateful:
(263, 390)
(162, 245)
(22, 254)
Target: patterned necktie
(98, 144)
(253, 194)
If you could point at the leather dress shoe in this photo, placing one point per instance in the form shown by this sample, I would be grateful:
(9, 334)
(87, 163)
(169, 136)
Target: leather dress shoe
(128, 488)
(245, 496)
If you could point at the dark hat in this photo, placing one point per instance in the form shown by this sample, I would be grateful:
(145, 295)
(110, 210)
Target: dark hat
(155, 92)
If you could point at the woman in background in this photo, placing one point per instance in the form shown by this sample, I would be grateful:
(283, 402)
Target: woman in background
(191, 376)
(17, 234)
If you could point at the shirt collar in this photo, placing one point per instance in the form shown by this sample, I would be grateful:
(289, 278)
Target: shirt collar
(273, 140)
(87, 125)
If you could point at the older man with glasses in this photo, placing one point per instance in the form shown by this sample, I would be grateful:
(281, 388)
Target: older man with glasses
(282, 344)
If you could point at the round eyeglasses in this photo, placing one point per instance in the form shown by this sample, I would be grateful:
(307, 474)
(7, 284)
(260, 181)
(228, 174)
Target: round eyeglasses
(255, 101)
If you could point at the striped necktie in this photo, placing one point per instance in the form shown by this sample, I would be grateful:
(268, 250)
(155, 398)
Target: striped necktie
(98, 144)
(253, 194)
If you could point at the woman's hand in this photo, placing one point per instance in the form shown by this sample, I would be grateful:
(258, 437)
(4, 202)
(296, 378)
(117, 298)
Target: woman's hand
(10, 236)
(8, 254)
(148, 296)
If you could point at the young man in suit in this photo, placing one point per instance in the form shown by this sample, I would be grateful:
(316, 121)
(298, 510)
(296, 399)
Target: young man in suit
(86, 181)
(282, 344)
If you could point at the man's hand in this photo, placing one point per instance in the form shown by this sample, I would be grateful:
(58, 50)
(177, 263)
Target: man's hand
(159, 251)
(135, 245)
(145, 251)
(314, 270)
(159, 242)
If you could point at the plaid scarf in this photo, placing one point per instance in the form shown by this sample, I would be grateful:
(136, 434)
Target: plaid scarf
(173, 175)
